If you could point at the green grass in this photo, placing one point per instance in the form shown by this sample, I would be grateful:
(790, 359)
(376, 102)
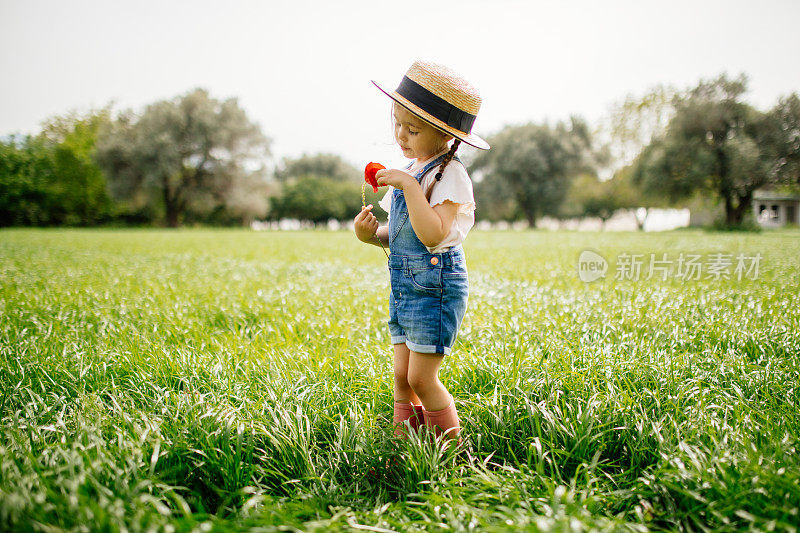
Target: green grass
(197, 380)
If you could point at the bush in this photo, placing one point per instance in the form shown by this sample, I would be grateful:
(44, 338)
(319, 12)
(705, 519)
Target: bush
(748, 224)
(316, 199)
(26, 178)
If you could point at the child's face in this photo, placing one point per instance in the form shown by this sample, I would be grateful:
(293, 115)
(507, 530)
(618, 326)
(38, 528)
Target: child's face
(416, 138)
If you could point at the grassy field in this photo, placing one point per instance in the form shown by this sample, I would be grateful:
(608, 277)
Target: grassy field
(231, 380)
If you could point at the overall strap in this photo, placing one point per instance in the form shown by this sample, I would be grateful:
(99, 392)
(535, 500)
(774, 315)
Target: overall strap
(434, 165)
(428, 166)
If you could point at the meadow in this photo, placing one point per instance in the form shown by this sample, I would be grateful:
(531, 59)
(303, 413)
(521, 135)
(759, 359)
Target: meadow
(200, 380)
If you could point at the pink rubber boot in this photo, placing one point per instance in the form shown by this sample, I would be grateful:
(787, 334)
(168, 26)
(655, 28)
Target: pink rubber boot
(444, 422)
(406, 411)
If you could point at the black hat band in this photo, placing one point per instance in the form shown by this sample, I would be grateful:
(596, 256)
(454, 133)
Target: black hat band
(435, 105)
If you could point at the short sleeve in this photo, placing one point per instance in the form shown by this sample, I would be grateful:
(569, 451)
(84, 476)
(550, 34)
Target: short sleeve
(386, 201)
(455, 186)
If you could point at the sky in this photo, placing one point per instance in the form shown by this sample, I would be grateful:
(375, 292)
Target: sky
(302, 69)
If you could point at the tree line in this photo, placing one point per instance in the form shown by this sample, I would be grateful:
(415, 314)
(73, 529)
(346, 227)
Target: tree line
(195, 159)
(664, 147)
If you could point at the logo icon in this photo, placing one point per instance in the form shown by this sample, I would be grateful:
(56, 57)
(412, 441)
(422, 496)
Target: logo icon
(591, 266)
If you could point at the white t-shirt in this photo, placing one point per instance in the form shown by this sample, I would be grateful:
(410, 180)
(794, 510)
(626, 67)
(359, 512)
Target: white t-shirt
(455, 186)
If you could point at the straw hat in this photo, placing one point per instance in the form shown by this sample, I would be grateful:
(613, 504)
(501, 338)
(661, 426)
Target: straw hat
(440, 97)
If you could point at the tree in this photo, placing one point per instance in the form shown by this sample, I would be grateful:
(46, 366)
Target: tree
(633, 123)
(51, 178)
(782, 135)
(26, 176)
(317, 199)
(191, 153)
(714, 143)
(536, 163)
(630, 195)
(494, 198)
(79, 184)
(317, 187)
(590, 197)
(330, 166)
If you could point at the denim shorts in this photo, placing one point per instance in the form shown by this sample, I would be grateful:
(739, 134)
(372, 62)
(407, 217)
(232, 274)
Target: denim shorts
(428, 299)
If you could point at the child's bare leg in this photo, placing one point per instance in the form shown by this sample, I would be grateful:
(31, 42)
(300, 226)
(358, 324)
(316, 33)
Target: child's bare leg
(440, 409)
(423, 376)
(402, 390)
(407, 408)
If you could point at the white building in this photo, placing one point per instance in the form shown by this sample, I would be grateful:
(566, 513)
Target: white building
(773, 209)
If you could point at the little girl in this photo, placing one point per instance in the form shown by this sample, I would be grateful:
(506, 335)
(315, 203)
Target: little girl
(431, 209)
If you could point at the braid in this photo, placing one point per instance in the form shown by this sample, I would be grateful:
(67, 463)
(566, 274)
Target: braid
(447, 158)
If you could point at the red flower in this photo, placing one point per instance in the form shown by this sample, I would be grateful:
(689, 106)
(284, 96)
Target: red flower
(369, 174)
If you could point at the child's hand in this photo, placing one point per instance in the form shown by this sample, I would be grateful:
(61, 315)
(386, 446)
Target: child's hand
(366, 224)
(396, 178)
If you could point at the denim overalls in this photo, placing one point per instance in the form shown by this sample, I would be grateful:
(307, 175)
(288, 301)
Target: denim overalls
(429, 291)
